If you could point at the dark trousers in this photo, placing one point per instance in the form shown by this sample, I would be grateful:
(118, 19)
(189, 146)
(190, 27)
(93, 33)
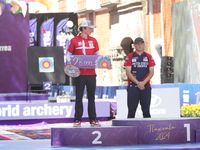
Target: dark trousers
(88, 81)
(135, 96)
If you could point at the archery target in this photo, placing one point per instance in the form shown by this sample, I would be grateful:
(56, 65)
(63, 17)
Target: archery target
(103, 62)
(46, 64)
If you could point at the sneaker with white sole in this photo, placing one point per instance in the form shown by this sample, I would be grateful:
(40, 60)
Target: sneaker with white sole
(77, 123)
(95, 123)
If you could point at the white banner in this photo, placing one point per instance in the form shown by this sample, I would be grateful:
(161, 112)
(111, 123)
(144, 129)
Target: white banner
(165, 102)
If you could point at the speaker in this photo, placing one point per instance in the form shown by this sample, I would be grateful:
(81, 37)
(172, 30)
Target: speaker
(167, 70)
(169, 78)
(45, 64)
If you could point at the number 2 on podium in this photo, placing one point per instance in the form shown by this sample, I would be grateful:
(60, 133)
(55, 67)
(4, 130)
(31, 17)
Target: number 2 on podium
(95, 141)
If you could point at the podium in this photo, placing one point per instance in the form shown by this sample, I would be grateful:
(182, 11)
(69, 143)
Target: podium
(130, 132)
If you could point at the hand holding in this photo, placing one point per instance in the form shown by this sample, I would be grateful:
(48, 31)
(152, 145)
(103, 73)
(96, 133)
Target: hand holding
(69, 63)
(141, 85)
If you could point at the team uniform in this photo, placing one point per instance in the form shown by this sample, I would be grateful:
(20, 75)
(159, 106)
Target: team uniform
(140, 65)
(81, 46)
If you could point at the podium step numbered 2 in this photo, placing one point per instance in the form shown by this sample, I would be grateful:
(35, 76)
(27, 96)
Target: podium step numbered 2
(93, 136)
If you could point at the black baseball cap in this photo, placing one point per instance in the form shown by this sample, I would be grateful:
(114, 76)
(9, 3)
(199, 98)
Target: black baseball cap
(139, 39)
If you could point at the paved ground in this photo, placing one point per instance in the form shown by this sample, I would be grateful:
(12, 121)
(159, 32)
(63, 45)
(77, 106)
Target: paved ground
(46, 145)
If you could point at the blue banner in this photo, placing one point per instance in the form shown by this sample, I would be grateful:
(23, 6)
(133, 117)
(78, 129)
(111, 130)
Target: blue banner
(33, 32)
(189, 93)
(47, 33)
(62, 33)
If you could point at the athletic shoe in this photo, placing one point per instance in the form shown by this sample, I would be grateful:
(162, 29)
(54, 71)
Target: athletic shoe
(77, 123)
(95, 123)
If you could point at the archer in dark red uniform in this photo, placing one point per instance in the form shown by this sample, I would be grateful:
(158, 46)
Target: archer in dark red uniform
(139, 69)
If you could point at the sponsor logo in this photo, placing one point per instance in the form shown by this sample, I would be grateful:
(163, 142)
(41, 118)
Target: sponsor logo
(155, 109)
(79, 43)
(133, 60)
(145, 59)
(155, 101)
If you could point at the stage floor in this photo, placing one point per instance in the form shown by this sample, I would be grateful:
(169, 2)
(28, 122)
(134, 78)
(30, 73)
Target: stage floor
(46, 145)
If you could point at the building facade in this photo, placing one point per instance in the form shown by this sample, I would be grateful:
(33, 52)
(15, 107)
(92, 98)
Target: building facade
(118, 23)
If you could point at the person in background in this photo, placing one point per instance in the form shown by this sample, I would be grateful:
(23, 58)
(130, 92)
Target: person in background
(84, 44)
(2, 2)
(139, 66)
(18, 7)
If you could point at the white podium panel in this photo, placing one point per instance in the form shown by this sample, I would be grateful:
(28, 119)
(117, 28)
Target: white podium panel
(165, 102)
